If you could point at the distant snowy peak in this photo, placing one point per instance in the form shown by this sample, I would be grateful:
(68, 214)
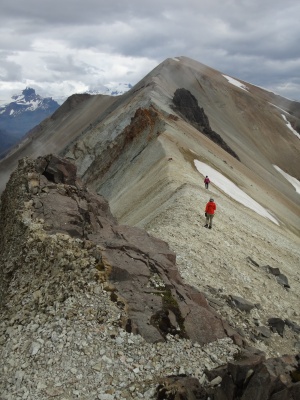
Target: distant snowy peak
(28, 101)
(113, 89)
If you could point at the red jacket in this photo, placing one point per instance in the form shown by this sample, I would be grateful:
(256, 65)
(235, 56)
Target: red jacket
(210, 207)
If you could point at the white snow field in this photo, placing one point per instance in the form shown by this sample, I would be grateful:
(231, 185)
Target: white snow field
(232, 190)
(236, 83)
(290, 178)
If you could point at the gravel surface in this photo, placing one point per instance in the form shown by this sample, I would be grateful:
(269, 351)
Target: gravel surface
(60, 335)
(229, 259)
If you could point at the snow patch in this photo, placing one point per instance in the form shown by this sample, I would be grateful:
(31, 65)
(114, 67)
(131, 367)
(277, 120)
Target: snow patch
(290, 178)
(288, 124)
(232, 190)
(281, 109)
(236, 83)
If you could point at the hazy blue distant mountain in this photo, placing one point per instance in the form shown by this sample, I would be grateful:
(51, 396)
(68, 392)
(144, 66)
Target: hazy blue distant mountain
(25, 111)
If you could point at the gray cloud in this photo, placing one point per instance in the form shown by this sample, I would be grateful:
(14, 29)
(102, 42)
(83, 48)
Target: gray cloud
(96, 42)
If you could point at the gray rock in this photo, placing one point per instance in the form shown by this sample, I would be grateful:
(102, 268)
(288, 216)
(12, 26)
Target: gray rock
(295, 327)
(263, 331)
(240, 303)
(281, 278)
(34, 348)
(277, 325)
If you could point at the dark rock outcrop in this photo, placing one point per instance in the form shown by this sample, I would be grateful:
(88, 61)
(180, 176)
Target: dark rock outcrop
(281, 278)
(277, 325)
(256, 378)
(180, 388)
(187, 105)
(251, 377)
(138, 270)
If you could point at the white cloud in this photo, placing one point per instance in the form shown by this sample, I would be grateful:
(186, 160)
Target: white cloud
(232, 190)
(99, 41)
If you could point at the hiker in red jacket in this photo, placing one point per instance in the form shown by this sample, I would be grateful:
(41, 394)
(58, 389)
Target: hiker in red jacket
(206, 182)
(210, 212)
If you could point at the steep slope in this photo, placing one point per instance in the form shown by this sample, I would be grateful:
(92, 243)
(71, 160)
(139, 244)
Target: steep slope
(72, 119)
(118, 149)
(252, 127)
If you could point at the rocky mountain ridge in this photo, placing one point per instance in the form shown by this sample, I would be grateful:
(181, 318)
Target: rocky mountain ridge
(142, 153)
(79, 293)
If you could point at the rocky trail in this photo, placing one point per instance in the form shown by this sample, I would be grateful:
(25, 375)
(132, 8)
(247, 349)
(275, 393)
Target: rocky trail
(232, 259)
(95, 310)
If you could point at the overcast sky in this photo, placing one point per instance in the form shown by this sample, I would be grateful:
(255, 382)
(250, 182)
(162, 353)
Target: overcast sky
(68, 46)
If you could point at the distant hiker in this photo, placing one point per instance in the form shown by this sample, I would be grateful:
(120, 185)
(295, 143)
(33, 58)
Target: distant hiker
(209, 213)
(206, 181)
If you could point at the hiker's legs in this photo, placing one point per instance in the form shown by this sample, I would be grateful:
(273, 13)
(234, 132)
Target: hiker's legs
(210, 217)
(207, 219)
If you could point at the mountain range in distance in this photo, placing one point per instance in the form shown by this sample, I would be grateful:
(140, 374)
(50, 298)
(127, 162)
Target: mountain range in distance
(28, 109)
(25, 111)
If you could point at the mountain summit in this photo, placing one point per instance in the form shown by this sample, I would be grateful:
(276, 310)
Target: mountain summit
(147, 153)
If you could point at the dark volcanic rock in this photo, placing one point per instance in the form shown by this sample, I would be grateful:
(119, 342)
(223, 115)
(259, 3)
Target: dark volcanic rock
(281, 278)
(277, 325)
(248, 378)
(139, 270)
(180, 388)
(187, 105)
(257, 378)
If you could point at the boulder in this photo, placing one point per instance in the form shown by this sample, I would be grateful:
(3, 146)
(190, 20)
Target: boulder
(277, 325)
(240, 303)
(281, 278)
(256, 378)
(180, 388)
